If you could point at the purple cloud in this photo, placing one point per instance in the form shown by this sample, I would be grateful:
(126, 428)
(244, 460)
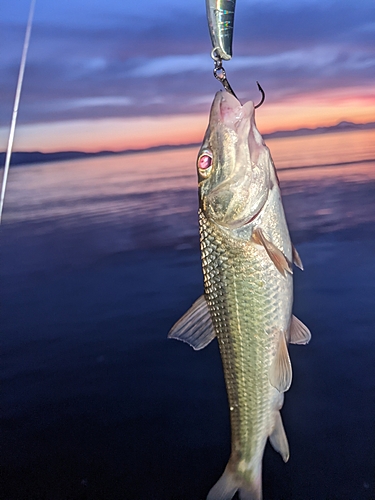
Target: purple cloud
(104, 59)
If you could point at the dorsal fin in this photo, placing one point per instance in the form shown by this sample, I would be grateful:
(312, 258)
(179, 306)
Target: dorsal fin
(195, 327)
(299, 333)
(296, 258)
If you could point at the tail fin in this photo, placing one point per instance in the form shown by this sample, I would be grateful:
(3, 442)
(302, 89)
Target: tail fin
(225, 488)
(230, 483)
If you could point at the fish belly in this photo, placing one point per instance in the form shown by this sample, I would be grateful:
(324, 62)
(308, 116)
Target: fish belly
(250, 304)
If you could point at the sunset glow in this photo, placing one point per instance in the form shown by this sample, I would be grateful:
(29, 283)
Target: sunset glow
(320, 109)
(117, 134)
(116, 76)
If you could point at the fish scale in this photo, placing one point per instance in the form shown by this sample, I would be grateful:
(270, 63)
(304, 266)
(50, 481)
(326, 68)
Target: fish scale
(245, 333)
(247, 304)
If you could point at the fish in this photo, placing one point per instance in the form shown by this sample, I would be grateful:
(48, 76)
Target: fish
(247, 258)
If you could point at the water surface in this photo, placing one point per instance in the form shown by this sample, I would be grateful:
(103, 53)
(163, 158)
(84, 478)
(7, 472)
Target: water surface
(100, 257)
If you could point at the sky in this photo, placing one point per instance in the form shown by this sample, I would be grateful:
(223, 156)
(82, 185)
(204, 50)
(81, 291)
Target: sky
(111, 74)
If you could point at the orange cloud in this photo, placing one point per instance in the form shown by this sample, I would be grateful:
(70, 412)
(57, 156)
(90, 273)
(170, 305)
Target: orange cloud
(110, 134)
(318, 109)
(310, 110)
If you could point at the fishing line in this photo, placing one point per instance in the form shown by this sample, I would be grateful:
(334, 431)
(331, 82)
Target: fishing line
(16, 105)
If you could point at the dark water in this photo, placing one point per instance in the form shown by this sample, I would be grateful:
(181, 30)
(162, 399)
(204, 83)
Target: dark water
(98, 259)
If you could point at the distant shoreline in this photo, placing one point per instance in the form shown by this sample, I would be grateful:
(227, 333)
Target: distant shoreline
(27, 157)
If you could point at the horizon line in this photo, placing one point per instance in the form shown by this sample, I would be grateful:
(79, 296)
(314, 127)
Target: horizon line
(39, 156)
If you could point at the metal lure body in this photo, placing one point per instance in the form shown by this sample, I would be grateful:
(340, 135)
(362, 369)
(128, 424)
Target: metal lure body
(220, 17)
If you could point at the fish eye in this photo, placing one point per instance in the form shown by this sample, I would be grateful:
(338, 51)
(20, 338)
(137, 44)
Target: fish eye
(205, 163)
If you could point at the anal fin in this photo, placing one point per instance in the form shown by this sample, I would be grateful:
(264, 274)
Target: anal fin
(195, 327)
(278, 438)
(280, 374)
(278, 258)
(299, 333)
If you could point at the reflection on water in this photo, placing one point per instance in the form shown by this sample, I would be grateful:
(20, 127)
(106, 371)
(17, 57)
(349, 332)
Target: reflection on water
(335, 173)
(326, 149)
(98, 259)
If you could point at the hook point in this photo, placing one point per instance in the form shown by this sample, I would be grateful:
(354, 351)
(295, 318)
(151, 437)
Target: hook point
(263, 96)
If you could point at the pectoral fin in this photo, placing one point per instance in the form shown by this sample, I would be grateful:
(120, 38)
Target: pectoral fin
(195, 327)
(299, 333)
(280, 374)
(296, 258)
(278, 438)
(278, 258)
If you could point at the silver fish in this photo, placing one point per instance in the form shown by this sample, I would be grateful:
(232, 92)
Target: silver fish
(220, 17)
(248, 289)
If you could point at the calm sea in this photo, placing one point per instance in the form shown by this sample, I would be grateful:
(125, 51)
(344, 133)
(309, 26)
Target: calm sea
(100, 257)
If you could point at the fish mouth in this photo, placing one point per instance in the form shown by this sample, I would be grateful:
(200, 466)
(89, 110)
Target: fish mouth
(237, 187)
(228, 110)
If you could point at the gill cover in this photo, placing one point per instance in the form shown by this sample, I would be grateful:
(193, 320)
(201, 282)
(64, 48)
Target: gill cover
(233, 164)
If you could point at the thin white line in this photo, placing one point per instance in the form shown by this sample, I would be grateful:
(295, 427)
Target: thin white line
(16, 104)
